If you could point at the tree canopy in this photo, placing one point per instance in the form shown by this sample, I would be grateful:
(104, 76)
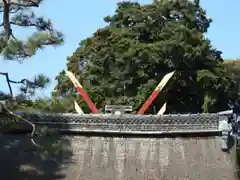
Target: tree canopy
(233, 68)
(124, 61)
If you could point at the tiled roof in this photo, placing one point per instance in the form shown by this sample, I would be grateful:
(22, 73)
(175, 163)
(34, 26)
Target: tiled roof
(139, 124)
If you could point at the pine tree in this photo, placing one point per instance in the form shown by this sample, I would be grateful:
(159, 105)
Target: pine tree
(124, 61)
(20, 14)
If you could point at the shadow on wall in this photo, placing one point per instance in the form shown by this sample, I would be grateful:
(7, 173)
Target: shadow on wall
(232, 146)
(238, 162)
(21, 160)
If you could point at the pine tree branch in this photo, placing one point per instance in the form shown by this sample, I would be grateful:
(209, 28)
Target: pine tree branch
(4, 106)
(30, 24)
(8, 82)
(27, 3)
(27, 121)
(23, 3)
(23, 81)
(12, 47)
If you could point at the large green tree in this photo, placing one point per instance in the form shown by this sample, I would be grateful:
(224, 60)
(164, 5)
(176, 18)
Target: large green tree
(124, 61)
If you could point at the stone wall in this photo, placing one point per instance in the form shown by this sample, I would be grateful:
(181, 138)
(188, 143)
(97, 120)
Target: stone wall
(120, 158)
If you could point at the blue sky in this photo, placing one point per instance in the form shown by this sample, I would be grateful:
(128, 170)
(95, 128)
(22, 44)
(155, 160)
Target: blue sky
(79, 19)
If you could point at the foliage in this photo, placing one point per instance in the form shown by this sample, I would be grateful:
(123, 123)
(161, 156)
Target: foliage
(233, 71)
(21, 14)
(46, 105)
(123, 62)
(233, 68)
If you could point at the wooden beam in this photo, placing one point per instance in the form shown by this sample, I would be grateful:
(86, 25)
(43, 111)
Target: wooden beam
(155, 93)
(82, 92)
